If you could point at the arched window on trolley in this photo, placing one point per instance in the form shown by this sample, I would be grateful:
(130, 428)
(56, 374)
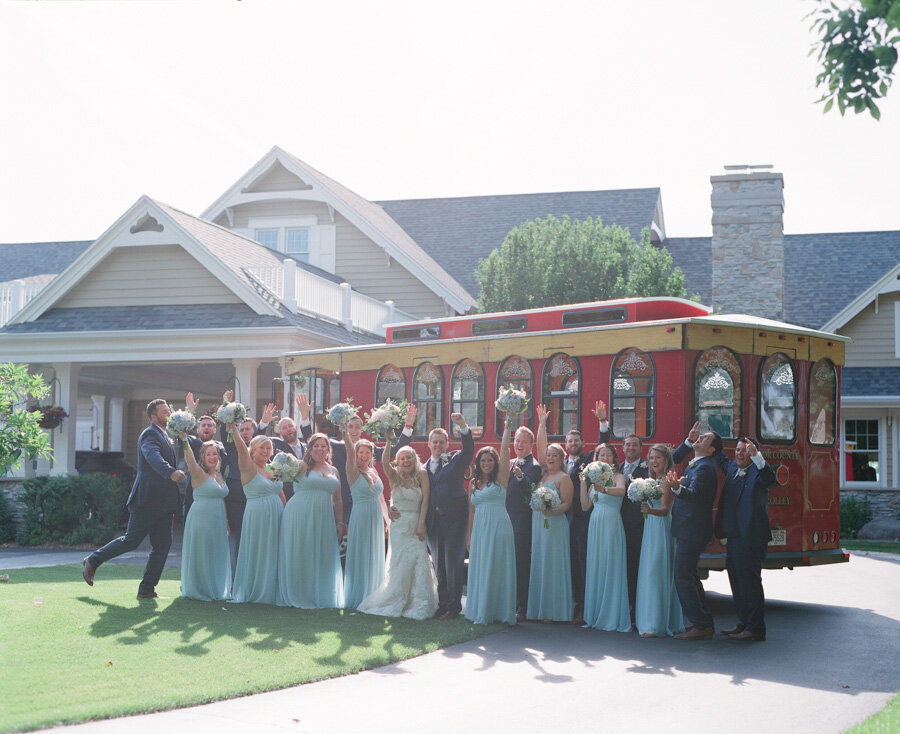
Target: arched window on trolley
(561, 394)
(390, 385)
(467, 396)
(515, 372)
(633, 400)
(428, 397)
(718, 391)
(777, 399)
(822, 424)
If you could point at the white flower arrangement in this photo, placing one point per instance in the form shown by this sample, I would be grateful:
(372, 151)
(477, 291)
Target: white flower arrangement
(511, 401)
(445, 458)
(544, 498)
(644, 490)
(340, 414)
(385, 420)
(599, 473)
(284, 467)
(231, 414)
(180, 421)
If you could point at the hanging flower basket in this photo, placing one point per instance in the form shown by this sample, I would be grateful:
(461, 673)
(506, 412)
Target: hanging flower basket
(51, 415)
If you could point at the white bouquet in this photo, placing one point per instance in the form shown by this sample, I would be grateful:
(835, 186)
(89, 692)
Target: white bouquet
(599, 473)
(231, 414)
(341, 414)
(386, 419)
(644, 490)
(284, 467)
(544, 498)
(180, 421)
(511, 401)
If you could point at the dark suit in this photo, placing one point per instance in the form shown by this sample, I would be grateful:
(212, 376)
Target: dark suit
(518, 493)
(633, 522)
(743, 519)
(692, 529)
(152, 505)
(447, 522)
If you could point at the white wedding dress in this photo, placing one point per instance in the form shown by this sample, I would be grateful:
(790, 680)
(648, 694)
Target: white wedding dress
(410, 587)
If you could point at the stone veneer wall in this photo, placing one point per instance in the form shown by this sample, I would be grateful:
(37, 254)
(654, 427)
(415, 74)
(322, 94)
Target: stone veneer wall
(10, 489)
(883, 502)
(748, 242)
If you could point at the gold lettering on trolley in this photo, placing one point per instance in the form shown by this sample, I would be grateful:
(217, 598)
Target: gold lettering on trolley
(779, 500)
(783, 455)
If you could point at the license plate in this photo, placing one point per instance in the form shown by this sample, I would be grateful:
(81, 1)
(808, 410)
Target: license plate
(779, 537)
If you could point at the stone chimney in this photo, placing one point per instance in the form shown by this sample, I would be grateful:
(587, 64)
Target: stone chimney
(748, 241)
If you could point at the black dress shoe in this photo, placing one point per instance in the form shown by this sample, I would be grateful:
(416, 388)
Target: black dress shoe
(147, 595)
(88, 571)
(448, 615)
(746, 635)
(695, 634)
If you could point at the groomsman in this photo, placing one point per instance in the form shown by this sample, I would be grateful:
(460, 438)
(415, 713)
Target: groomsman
(152, 504)
(525, 471)
(448, 514)
(692, 529)
(633, 467)
(743, 518)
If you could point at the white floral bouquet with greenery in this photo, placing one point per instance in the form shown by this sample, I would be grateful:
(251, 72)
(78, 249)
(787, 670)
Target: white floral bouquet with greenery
(599, 473)
(386, 419)
(340, 414)
(231, 414)
(644, 490)
(544, 498)
(180, 421)
(511, 401)
(284, 467)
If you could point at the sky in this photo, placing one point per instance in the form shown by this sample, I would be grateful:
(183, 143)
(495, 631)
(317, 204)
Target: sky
(102, 102)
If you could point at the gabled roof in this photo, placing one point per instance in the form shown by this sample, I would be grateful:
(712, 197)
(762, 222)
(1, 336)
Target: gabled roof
(460, 231)
(30, 260)
(365, 215)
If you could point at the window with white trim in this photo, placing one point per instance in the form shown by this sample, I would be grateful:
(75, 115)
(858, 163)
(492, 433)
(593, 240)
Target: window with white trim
(299, 236)
(297, 243)
(267, 237)
(862, 450)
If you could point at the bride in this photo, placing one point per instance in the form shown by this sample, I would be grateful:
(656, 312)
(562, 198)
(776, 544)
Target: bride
(409, 588)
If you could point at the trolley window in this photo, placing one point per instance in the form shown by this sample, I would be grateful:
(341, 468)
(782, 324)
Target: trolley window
(428, 397)
(718, 391)
(467, 396)
(633, 397)
(822, 403)
(498, 326)
(390, 384)
(515, 372)
(416, 333)
(561, 393)
(777, 399)
(594, 317)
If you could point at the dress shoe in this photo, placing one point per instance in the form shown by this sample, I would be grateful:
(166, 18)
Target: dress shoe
(695, 634)
(748, 636)
(521, 616)
(88, 571)
(148, 595)
(733, 631)
(448, 615)
(438, 614)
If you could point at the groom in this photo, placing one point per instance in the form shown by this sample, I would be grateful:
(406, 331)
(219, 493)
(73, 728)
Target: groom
(448, 514)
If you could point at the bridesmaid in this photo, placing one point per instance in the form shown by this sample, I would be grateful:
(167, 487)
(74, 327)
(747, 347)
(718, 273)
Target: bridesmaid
(657, 610)
(255, 577)
(309, 561)
(364, 565)
(492, 553)
(606, 580)
(205, 557)
(550, 580)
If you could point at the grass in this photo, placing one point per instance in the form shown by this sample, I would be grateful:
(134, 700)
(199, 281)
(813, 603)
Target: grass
(96, 653)
(886, 721)
(879, 546)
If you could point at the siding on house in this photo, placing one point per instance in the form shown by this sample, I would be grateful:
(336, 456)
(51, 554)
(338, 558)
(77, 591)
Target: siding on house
(279, 179)
(243, 212)
(146, 276)
(873, 335)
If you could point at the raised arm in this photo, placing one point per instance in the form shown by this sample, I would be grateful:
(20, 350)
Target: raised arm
(503, 469)
(350, 463)
(389, 470)
(245, 463)
(198, 476)
(540, 441)
(602, 418)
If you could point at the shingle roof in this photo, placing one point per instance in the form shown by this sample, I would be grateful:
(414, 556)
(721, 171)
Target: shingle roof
(30, 259)
(823, 272)
(867, 381)
(458, 232)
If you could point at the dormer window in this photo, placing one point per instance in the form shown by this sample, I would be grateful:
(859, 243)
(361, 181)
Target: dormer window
(301, 237)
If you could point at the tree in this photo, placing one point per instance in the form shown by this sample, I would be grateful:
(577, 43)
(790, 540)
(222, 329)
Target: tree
(19, 431)
(857, 49)
(548, 262)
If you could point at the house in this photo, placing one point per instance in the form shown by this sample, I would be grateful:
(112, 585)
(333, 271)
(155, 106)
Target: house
(287, 259)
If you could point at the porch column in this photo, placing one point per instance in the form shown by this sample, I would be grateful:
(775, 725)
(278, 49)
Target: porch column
(116, 423)
(99, 439)
(245, 382)
(64, 435)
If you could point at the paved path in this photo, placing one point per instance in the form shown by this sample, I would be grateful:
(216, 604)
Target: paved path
(830, 661)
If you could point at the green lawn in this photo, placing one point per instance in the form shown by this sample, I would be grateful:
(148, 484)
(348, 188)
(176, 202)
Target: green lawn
(92, 653)
(886, 721)
(879, 546)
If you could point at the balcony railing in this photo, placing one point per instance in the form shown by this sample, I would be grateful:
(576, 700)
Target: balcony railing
(14, 296)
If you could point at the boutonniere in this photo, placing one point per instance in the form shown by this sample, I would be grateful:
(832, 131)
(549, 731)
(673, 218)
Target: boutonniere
(445, 458)
(694, 461)
(740, 473)
(644, 464)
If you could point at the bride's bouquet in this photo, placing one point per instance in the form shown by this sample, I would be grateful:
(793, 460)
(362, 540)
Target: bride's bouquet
(544, 498)
(231, 414)
(180, 421)
(284, 467)
(385, 420)
(340, 414)
(511, 401)
(599, 473)
(644, 490)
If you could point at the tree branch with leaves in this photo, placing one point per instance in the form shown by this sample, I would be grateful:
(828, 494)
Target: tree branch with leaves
(20, 434)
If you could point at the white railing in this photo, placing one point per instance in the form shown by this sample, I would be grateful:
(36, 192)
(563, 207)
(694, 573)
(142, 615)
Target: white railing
(301, 290)
(14, 296)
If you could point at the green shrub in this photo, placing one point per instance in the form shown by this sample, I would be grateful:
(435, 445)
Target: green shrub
(74, 509)
(7, 521)
(854, 514)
